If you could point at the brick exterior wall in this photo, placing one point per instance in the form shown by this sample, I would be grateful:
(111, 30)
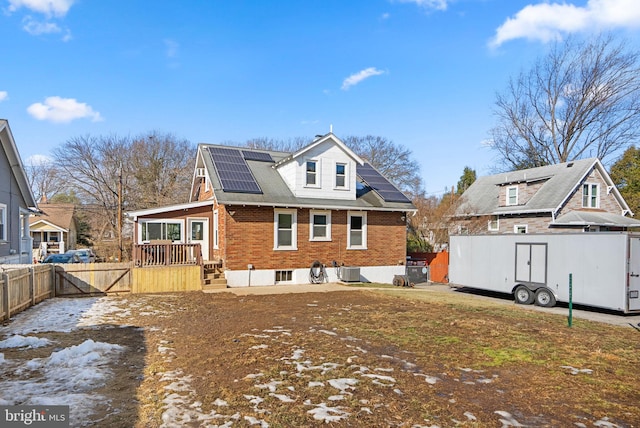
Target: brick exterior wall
(247, 237)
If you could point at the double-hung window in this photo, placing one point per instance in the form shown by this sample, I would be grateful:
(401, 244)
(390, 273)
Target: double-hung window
(312, 173)
(320, 227)
(341, 175)
(161, 230)
(512, 195)
(590, 197)
(3, 222)
(284, 233)
(493, 225)
(357, 230)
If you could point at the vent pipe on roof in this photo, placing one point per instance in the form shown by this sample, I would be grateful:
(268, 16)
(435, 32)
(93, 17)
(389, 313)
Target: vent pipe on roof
(570, 164)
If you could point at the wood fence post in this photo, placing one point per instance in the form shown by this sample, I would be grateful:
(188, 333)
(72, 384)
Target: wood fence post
(32, 286)
(5, 295)
(53, 280)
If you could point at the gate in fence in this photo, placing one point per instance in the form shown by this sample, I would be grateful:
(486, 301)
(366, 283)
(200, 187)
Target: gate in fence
(92, 278)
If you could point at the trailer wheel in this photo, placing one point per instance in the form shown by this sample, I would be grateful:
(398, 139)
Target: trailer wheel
(545, 298)
(523, 295)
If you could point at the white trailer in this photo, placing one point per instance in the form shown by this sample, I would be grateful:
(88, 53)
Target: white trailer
(605, 267)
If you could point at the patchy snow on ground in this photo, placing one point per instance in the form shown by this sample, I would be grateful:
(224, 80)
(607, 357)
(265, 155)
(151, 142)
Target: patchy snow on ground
(70, 376)
(67, 376)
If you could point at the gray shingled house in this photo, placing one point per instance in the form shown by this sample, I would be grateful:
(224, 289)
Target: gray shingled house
(16, 202)
(566, 197)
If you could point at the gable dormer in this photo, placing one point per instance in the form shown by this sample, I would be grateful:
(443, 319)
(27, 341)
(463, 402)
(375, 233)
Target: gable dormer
(325, 169)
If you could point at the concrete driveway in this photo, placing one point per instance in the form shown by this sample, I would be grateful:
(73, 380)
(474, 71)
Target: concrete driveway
(579, 312)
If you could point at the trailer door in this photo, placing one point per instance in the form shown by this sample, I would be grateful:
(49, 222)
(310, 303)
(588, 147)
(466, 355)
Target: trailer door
(634, 274)
(531, 263)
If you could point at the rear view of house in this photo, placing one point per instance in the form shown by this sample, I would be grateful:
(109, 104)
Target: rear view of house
(269, 216)
(16, 202)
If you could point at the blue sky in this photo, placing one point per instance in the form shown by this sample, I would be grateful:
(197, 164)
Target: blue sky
(422, 73)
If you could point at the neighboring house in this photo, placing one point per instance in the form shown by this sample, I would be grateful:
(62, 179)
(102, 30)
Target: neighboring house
(53, 230)
(268, 216)
(16, 202)
(567, 197)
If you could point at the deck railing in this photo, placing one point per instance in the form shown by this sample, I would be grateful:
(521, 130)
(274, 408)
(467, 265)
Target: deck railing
(166, 254)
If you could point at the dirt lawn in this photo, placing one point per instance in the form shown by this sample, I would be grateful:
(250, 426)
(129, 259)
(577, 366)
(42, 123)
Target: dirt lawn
(357, 358)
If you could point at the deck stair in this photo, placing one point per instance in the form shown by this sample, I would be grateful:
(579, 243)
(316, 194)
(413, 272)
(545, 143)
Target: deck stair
(213, 275)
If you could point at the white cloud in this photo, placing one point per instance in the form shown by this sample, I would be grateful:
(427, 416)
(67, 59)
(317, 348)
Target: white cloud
(35, 160)
(358, 77)
(549, 21)
(46, 7)
(4, 95)
(36, 28)
(428, 4)
(62, 110)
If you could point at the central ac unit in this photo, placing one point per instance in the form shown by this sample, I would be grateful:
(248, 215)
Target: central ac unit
(350, 274)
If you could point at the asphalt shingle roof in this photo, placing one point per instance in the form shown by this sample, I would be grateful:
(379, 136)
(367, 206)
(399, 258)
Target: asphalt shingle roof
(275, 191)
(482, 197)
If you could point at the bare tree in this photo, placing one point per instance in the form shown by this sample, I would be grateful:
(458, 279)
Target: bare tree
(162, 166)
(111, 174)
(290, 145)
(392, 160)
(44, 178)
(580, 100)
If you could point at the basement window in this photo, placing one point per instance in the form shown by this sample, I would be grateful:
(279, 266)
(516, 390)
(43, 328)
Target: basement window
(284, 276)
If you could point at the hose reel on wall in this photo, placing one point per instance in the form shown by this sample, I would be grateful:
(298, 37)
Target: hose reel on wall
(317, 273)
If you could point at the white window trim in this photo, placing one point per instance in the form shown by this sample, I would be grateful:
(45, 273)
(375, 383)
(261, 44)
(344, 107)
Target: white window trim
(493, 229)
(589, 195)
(346, 176)
(294, 229)
(516, 226)
(3, 220)
(318, 169)
(216, 229)
(275, 275)
(362, 214)
(509, 188)
(311, 224)
(183, 229)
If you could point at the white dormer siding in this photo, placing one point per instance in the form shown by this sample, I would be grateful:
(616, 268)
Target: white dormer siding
(334, 176)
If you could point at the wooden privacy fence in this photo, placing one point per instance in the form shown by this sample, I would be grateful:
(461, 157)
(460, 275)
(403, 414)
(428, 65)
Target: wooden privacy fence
(438, 264)
(77, 279)
(105, 278)
(24, 287)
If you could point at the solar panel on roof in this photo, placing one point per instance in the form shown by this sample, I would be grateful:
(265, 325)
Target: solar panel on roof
(233, 171)
(257, 156)
(381, 185)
